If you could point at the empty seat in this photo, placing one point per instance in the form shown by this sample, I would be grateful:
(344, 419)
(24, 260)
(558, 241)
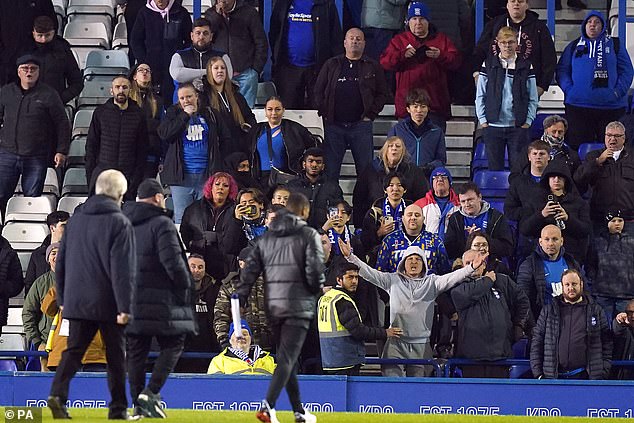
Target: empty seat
(11, 342)
(89, 34)
(7, 364)
(106, 62)
(95, 93)
(81, 122)
(492, 183)
(585, 148)
(120, 36)
(75, 182)
(480, 160)
(91, 7)
(76, 152)
(265, 90)
(24, 257)
(51, 184)
(81, 54)
(68, 204)
(28, 209)
(25, 236)
(496, 203)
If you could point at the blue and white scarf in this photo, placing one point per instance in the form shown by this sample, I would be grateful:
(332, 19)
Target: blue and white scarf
(255, 352)
(596, 50)
(254, 228)
(333, 236)
(398, 213)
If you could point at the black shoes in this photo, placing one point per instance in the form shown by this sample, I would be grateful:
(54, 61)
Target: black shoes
(149, 405)
(58, 408)
(123, 416)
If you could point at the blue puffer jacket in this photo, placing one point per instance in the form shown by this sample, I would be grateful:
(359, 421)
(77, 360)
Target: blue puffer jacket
(575, 71)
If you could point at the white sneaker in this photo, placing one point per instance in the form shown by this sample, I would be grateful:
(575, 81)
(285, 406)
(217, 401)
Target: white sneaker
(266, 414)
(307, 417)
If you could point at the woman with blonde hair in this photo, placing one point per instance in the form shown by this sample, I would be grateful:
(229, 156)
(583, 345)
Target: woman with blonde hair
(393, 157)
(230, 106)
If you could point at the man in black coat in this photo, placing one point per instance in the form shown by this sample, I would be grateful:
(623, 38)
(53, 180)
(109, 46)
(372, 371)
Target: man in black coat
(315, 185)
(162, 303)
(95, 274)
(493, 313)
(117, 138)
(572, 339)
(58, 66)
(292, 258)
(38, 265)
(10, 278)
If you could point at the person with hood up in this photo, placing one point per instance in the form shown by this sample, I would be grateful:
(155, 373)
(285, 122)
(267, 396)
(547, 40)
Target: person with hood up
(595, 72)
(412, 295)
(558, 202)
(477, 214)
(369, 187)
(535, 42)
(238, 165)
(421, 57)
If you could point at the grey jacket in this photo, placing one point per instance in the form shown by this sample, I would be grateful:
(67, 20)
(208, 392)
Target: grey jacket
(411, 299)
(384, 14)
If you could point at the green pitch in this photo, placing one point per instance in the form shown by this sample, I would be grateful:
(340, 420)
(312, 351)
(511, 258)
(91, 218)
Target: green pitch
(86, 415)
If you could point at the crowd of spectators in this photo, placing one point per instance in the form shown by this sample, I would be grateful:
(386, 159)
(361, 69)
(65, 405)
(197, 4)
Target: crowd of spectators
(418, 263)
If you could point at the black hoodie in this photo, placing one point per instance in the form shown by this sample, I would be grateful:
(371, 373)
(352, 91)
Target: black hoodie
(162, 298)
(536, 44)
(578, 225)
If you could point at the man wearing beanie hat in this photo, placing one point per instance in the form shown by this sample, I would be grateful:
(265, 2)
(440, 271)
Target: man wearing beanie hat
(37, 324)
(440, 202)
(242, 357)
(610, 265)
(421, 57)
(161, 298)
(31, 141)
(425, 142)
(58, 66)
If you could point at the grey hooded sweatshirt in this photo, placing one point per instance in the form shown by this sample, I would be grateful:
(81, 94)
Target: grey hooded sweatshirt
(411, 299)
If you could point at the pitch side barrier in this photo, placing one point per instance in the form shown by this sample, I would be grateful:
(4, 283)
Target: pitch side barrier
(363, 394)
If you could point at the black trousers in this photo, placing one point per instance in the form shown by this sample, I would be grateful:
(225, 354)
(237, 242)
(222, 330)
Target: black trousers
(487, 371)
(289, 337)
(588, 125)
(81, 333)
(352, 371)
(171, 348)
(295, 85)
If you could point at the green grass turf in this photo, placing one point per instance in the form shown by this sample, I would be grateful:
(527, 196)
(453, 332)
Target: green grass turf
(86, 415)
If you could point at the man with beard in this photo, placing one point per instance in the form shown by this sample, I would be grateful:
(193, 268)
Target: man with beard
(117, 138)
(572, 339)
(191, 63)
(315, 185)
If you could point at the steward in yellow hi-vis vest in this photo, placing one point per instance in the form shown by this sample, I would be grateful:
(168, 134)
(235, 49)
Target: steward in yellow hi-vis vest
(342, 334)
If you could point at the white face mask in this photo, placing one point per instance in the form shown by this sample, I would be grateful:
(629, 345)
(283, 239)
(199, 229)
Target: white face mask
(552, 140)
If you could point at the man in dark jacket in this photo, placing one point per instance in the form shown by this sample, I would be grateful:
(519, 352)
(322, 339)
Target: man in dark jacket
(16, 24)
(10, 278)
(33, 128)
(572, 339)
(316, 186)
(557, 202)
(117, 138)
(162, 303)
(535, 42)
(476, 214)
(540, 274)
(493, 313)
(623, 329)
(238, 31)
(161, 29)
(38, 265)
(58, 66)
(342, 333)
(350, 92)
(303, 36)
(292, 259)
(95, 273)
(610, 174)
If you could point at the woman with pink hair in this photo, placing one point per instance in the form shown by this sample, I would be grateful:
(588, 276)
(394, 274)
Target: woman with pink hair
(209, 228)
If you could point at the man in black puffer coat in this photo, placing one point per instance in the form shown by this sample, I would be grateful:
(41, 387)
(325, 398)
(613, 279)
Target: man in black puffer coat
(291, 257)
(162, 303)
(10, 278)
(117, 138)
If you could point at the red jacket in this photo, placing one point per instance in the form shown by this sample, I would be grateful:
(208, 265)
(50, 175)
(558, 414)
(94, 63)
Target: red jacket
(430, 74)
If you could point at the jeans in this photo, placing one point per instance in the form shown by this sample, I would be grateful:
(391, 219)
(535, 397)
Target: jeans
(32, 169)
(248, 82)
(190, 190)
(171, 348)
(497, 138)
(338, 137)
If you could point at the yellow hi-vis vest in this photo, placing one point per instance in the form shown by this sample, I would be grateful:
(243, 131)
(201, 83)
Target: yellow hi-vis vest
(339, 350)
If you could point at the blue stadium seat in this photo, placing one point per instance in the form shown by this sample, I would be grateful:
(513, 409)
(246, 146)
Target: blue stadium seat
(492, 183)
(496, 203)
(585, 148)
(8, 366)
(520, 371)
(480, 160)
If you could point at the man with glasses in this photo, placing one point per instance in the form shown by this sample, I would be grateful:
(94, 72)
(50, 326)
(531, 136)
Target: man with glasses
(610, 174)
(33, 128)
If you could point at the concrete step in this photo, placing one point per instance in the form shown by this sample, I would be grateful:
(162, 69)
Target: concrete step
(566, 32)
(566, 14)
(459, 142)
(460, 127)
(348, 170)
(460, 172)
(347, 185)
(462, 111)
(592, 4)
(379, 140)
(459, 158)
(382, 126)
(389, 110)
